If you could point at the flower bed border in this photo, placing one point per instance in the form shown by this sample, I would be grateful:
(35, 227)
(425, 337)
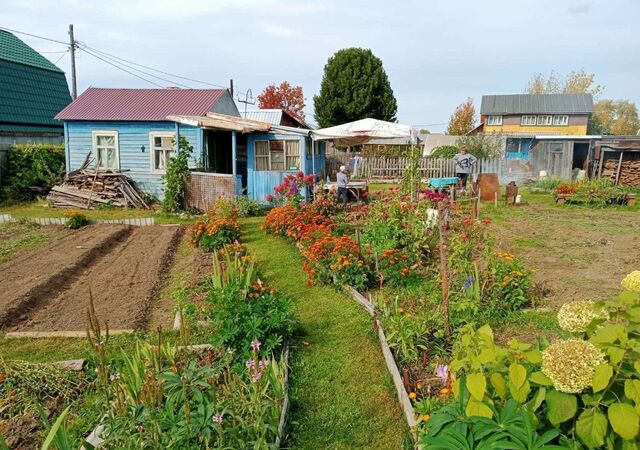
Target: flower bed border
(392, 366)
(142, 221)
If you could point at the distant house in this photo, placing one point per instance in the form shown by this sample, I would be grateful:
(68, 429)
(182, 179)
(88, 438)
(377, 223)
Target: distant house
(522, 117)
(275, 117)
(32, 91)
(135, 130)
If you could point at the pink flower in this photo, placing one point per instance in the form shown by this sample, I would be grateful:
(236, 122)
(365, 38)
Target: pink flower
(255, 345)
(464, 238)
(269, 198)
(217, 418)
(486, 221)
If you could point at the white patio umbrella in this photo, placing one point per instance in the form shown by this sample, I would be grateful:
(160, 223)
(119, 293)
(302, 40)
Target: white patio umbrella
(362, 131)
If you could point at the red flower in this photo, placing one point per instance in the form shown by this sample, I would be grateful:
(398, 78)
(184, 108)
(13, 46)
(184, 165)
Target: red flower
(269, 198)
(466, 222)
(486, 222)
(464, 238)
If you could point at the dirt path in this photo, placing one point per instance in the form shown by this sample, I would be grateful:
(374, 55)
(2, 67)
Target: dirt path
(122, 282)
(44, 271)
(578, 253)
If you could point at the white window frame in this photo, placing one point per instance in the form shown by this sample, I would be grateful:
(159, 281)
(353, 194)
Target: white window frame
(284, 152)
(545, 120)
(527, 119)
(94, 147)
(494, 121)
(561, 120)
(152, 150)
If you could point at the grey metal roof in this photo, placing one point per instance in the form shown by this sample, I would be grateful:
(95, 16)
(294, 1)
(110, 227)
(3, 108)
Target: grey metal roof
(272, 116)
(537, 103)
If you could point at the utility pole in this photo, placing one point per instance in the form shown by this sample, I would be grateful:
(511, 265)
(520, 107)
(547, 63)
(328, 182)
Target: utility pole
(72, 50)
(231, 87)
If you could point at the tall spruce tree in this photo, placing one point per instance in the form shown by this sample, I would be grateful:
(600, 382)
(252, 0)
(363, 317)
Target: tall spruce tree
(354, 86)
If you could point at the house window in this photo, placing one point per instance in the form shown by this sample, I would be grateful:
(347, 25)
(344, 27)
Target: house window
(561, 120)
(494, 120)
(105, 149)
(281, 156)
(528, 120)
(162, 149)
(545, 120)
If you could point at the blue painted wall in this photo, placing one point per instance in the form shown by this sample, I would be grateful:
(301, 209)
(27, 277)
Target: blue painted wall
(261, 183)
(131, 137)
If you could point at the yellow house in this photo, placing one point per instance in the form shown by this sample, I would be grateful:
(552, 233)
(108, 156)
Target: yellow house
(521, 117)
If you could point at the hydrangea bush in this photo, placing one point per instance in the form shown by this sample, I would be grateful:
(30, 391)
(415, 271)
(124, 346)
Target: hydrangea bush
(586, 387)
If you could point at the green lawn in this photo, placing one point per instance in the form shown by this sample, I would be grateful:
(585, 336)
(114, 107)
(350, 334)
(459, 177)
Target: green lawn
(342, 395)
(40, 208)
(15, 236)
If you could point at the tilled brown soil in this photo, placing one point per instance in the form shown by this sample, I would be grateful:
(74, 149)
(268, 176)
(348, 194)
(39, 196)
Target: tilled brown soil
(578, 253)
(46, 270)
(122, 283)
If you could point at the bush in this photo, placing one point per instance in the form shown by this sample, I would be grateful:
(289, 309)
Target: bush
(445, 151)
(33, 170)
(245, 309)
(396, 268)
(335, 259)
(75, 220)
(587, 386)
(175, 179)
(219, 227)
(247, 207)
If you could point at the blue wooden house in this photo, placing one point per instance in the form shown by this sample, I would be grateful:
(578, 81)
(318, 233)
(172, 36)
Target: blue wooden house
(135, 130)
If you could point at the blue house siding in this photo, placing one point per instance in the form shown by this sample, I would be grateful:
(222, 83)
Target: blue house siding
(132, 136)
(260, 182)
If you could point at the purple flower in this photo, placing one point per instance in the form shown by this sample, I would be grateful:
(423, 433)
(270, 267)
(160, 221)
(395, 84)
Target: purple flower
(255, 377)
(250, 364)
(442, 372)
(263, 364)
(293, 189)
(217, 418)
(255, 345)
(468, 282)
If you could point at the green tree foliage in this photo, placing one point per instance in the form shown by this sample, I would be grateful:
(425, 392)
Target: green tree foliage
(576, 82)
(482, 145)
(33, 169)
(444, 151)
(175, 179)
(619, 117)
(463, 119)
(354, 86)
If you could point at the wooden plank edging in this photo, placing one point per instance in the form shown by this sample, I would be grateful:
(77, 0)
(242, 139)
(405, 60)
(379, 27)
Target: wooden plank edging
(56, 334)
(392, 367)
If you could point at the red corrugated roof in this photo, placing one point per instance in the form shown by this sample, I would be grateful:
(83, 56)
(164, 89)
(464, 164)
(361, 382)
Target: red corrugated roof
(140, 104)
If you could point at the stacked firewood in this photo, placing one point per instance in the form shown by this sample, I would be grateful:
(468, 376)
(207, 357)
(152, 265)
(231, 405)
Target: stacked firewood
(87, 188)
(629, 171)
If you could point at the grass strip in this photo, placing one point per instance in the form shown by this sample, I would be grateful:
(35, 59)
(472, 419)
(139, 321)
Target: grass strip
(342, 396)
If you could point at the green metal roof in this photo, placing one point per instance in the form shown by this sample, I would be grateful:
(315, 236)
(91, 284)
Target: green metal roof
(32, 89)
(14, 50)
(13, 128)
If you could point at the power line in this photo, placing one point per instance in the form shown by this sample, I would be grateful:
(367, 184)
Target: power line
(61, 56)
(115, 61)
(105, 54)
(34, 35)
(124, 70)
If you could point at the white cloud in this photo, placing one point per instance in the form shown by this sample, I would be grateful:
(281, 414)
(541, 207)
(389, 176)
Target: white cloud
(582, 8)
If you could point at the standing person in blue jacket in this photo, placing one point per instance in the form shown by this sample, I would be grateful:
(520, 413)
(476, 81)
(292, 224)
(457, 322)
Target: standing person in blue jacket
(464, 165)
(343, 180)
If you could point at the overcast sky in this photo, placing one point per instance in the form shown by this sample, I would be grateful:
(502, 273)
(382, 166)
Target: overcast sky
(436, 53)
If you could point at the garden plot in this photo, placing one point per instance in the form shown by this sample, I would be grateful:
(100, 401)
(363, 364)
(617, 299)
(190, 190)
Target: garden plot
(35, 275)
(578, 253)
(121, 282)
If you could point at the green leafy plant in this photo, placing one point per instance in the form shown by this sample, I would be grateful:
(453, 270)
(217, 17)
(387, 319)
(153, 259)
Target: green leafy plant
(176, 177)
(244, 309)
(444, 151)
(248, 207)
(33, 169)
(75, 220)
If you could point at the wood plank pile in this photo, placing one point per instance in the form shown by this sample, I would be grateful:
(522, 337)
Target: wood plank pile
(629, 171)
(86, 188)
